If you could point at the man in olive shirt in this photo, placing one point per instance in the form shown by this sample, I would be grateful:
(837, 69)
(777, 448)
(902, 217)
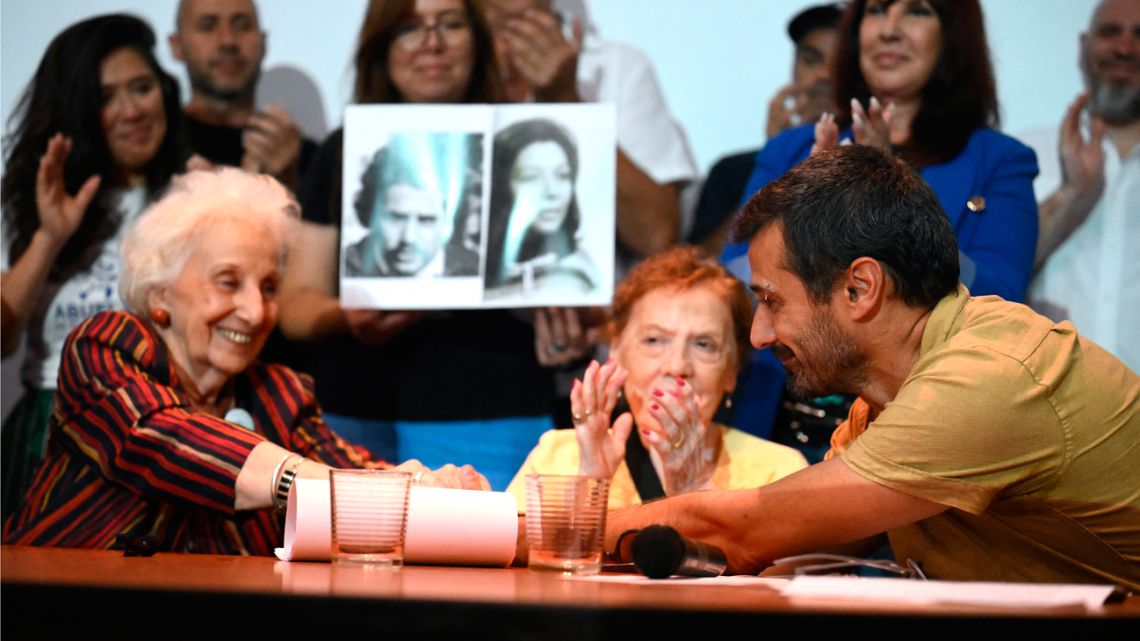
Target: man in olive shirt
(987, 442)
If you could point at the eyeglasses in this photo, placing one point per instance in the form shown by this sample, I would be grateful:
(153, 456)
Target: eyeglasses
(452, 28)
(833, 563)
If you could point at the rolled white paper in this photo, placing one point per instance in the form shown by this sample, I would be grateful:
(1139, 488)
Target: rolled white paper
(445, 526)
(308, 522)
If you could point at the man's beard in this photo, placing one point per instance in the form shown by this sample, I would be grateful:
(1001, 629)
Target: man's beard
(829, 361)
(1117, 105)
(202, 83)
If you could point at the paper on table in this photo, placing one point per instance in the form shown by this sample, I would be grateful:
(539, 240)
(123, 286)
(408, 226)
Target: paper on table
(890, 590)
(445, 526)
(1028, 595)
(308, 522)
(461, 527)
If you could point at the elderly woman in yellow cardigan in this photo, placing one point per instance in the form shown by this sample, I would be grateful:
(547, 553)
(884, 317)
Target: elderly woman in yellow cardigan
(679, 331)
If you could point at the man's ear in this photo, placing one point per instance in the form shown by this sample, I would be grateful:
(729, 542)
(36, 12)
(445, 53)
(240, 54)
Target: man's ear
(175, 42)
(864, 288)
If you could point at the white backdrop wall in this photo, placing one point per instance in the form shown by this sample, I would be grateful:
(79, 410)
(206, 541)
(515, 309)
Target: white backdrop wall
(718, 61)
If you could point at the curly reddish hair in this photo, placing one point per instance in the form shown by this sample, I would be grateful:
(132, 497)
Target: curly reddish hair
(683, 268)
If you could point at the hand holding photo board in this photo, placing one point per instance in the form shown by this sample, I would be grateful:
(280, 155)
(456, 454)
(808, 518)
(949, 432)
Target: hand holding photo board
(478, 206)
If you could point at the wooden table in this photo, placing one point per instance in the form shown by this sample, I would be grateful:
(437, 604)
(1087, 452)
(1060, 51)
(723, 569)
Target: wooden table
(62, 593)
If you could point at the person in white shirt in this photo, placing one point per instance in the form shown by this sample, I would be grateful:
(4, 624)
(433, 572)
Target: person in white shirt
(97, 133)
(551, 53)
(1084, 273)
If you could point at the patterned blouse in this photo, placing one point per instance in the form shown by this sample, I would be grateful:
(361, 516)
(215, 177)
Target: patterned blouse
(128, 457)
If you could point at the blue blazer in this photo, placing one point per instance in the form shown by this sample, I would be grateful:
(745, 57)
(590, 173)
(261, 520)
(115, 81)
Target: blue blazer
(996, 245)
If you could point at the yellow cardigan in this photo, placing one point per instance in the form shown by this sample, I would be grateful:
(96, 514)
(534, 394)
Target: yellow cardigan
(745, 461)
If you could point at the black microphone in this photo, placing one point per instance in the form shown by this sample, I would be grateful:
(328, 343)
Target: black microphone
(659, 552)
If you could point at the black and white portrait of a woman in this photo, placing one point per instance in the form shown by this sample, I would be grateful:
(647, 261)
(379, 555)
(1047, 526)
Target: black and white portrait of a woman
(535, 228)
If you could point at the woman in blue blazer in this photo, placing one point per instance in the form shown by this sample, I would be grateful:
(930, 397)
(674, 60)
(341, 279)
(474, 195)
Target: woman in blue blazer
(914, 77)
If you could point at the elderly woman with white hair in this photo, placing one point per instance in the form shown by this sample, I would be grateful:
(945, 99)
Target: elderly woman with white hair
(165, 424)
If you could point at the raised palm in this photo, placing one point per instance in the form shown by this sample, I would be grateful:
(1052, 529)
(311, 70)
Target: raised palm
(60, 212)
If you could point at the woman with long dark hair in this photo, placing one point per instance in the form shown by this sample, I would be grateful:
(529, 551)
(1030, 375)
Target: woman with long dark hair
(95, 135)
(453, 385)
(913, 78)
(533, 229)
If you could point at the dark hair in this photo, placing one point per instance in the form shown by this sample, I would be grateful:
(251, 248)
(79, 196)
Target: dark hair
(418, 159)
(65, 96)
(459, 260)
(856, 201)
(684, 268)
(959, 97)
(374, 85)
(509, 144)
(824, 16)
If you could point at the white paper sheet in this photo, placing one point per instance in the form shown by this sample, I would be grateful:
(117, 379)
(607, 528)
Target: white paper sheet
(453, 527)
(887, 590)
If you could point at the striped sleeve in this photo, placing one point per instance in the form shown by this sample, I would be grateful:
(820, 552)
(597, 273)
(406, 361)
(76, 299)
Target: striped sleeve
(118, 409)
(309, 435)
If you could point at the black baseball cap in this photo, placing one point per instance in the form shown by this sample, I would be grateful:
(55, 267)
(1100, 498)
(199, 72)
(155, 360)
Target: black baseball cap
(824, 15)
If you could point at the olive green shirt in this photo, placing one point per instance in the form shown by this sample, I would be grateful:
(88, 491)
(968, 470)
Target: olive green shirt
(1029, 433)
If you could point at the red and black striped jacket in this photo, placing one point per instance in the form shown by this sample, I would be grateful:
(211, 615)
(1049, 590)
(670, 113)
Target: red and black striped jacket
(127, 456)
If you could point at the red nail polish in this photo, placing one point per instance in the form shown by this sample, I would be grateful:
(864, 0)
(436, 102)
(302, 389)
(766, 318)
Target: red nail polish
(655, 407)
(680, 382)
(657, 392)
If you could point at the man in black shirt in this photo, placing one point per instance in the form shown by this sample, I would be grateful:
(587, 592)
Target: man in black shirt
(222, 45)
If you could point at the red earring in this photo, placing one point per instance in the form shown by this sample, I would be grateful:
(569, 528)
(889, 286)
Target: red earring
(161, 317)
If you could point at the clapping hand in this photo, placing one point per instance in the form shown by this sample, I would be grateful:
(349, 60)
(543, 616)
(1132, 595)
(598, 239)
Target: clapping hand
(826, 134)
(540, 54)
(1082, 161)
(272, 143)
(601, 446)
(871, 127)
(686, 445)
(794, 105)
